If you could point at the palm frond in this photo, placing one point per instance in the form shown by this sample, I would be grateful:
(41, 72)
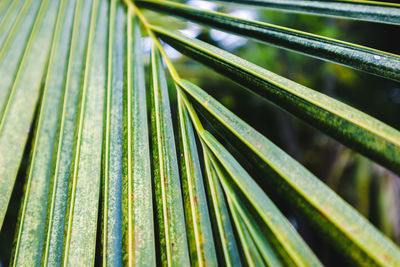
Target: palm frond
(200, 236)
(350, 126)
(352, 55)
(33, 212)
(23, 93)
(84, 184)
(374, 11)
(171, 219)
(198, 185)
(63, 154)
(332, 217)
(137, 211)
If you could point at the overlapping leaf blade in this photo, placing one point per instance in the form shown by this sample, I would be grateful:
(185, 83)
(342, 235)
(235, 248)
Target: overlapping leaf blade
(4, 7)
(32, 218)
(225, 241)
(252, 239)
(287, 243)
(367, 135)
(137, 214)
(352, 55)
(170, 213)
(84, 189)
(200, 238)
(250, 251)
(13, 46)
(375, 11)
(347, 230)
(63, 154)
(18, 110)
(112, 140)
(14, 13)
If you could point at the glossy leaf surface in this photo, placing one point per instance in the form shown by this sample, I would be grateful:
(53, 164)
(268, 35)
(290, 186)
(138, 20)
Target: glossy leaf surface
(350, 126)
(352, 55)
(375, 11)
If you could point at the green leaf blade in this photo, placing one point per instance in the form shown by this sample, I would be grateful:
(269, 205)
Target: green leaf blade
(256, 236)
(373, 11)
(250, 251)
(287, 242)
(85, 180)
(19, 109)
(225, 241)
(15, 12)
(173, 240)
(359, 131)
(349, 232)
(348, 54)
(32, 218)
(113, 133)
(138, 222)
(4, 6)
(63, 154)
(13, 47)
(200, 238)
(252, 239)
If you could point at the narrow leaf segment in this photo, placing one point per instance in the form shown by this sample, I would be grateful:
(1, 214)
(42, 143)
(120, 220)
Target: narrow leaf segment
(199, 231)
(359, 131)
(358, 57)
(374, 11)
(64, 146)
(170, 213)
(287, 243)
(346, 229)
(32, 217)
(137, 213)
(85, 178)
(18, 110)
(112, 139)
(225, 241)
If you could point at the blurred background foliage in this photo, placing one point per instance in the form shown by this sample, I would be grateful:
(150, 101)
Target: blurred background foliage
(370, 188)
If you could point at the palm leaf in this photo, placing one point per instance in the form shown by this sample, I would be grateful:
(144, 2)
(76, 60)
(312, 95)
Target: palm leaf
(330, 214)
(137, 213)
(350, 126)
(94, 194)
(32, 216)
(355, 56)
(171, 219)
(18, 110)
(63, 154)
(287, 242)
(375, 11)
(200, 237)
(84, 187)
